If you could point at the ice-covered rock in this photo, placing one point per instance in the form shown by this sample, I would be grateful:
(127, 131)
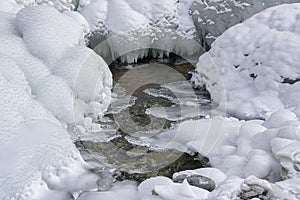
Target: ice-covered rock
(132, 27)
(255, 63)
(212, 18)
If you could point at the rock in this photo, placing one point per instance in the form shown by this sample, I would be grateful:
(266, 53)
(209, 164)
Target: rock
(138, 163)
(196, 180)
(212, 18)
(256, 188)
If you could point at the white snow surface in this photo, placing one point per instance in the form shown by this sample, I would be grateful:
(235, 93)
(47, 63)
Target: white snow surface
(60, 5)
(47, 80)
(255, 64)
(245, 156)
(13, 6)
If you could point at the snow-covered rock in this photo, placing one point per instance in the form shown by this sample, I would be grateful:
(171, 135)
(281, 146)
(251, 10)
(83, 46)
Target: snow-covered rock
(54, 63)
(124, 26)
(256, 64)
(125, 190)
(212, 18)
(60, 5)
(164, 189)
(13, 6)
(47, 80)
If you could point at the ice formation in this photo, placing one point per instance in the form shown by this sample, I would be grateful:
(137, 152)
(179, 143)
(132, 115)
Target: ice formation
(132, 27)
(47, 79)
(212, 18)
(255, 64)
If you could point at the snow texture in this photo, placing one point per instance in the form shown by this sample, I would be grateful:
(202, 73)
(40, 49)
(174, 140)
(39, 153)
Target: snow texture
(47, 80)
(213, 17)
(255, 64)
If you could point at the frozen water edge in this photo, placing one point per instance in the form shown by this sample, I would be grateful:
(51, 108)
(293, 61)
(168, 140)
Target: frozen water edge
(187, 103)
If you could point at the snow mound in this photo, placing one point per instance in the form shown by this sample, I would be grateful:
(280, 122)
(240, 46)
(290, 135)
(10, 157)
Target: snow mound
(249, 158)
(257, 62)
(133, 27)
(212, 18)
(47, 80)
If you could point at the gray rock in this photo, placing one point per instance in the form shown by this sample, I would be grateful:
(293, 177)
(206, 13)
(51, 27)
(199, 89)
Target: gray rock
(255, 191)
(212, 18)
(197, 181)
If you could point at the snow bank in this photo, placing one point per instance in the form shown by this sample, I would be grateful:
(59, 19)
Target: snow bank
(212, 18)
(47, 80)
(250, 158)
(138, 25)
(257, 63)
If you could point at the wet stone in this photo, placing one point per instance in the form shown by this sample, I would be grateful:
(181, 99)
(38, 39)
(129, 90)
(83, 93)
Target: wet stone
(255, 191)
(138, 163)
(196, 180)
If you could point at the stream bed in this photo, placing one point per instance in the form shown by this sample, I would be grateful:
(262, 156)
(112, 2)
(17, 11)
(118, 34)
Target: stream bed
(148, 99)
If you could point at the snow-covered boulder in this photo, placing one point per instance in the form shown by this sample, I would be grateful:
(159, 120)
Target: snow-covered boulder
(60, 5)
(70, 80)
(256, 64)
(47, 80)
(212, 18)
(134, 26)
(37, 154)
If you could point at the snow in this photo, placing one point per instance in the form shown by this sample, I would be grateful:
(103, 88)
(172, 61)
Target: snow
(253, 61)
(212, 18)
(10, 6)
(60, 5)
(245, 156)
(50, 81)
(167, 190)
(126, 190)
(44, 75)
